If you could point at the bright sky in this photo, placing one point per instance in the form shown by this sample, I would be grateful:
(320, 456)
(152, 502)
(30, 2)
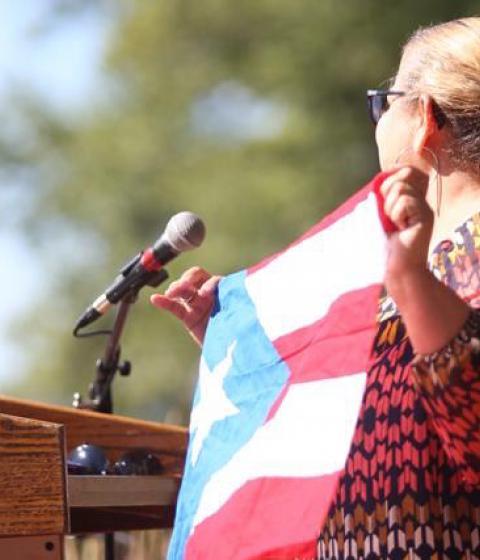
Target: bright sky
(61, 64)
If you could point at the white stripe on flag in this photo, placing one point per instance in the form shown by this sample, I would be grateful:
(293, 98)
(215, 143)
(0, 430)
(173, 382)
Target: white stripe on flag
(309, 435)
(296, 289)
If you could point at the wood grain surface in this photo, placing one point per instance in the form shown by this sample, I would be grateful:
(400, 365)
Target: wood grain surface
(32, 477)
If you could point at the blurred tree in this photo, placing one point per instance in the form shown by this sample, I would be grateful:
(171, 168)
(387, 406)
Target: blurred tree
(249, 113)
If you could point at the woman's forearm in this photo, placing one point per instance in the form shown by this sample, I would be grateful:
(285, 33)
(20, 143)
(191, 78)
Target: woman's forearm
(433, 313)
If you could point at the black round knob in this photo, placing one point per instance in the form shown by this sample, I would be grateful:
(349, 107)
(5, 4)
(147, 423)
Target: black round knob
(138, 462)
(87, 459)
(125, 368)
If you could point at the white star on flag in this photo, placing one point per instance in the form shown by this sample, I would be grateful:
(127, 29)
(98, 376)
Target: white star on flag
(213, 404)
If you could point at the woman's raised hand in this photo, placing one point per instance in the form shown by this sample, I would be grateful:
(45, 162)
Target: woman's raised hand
(433, 313)
(191, 299)
(405, 204)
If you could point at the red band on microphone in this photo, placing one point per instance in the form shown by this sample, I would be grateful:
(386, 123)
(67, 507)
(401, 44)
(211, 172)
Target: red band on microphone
(149, 261)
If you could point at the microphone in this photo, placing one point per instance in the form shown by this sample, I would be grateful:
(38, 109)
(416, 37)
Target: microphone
(183, 232)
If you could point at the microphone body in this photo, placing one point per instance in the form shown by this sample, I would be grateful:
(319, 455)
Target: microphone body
(184, 231)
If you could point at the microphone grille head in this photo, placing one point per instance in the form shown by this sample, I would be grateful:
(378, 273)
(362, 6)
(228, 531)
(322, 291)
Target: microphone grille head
(185, 231)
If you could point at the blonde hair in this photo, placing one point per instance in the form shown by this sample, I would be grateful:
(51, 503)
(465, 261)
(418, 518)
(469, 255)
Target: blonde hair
(444, 62)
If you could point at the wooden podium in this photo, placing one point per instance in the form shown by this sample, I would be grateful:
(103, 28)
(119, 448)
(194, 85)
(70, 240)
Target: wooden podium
(40, 502)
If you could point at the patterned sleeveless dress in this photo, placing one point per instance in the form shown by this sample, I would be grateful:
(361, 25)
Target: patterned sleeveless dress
(411, 483)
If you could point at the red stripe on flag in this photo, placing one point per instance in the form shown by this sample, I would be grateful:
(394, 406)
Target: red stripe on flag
(338, 344)
(268, 518)
(387, 223)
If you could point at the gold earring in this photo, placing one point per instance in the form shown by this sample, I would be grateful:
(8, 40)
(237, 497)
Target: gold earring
(436, 167)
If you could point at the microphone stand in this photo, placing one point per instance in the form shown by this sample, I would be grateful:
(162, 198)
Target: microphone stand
(100, 391)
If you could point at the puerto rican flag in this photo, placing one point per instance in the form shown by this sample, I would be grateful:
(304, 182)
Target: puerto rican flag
(281, 381)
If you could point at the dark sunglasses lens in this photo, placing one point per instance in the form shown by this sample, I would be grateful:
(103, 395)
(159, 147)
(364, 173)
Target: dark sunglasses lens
(377, 104)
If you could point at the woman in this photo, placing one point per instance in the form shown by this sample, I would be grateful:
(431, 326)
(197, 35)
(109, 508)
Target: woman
(411, 486)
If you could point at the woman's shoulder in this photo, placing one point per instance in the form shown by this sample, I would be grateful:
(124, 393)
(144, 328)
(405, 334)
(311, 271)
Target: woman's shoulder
(456, 260)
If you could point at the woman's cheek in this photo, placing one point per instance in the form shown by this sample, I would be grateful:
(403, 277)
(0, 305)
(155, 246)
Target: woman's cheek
(381, 144)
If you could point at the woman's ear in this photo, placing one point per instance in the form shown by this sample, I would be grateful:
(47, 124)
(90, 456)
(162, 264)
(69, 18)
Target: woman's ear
(427, 125)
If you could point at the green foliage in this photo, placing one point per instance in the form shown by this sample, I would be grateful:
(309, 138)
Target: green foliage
(109, 181)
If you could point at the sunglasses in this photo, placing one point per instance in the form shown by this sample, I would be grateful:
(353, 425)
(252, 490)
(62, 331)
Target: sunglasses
(378, 102)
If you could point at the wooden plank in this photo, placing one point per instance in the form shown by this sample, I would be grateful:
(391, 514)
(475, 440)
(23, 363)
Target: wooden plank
(103, 491)
(32, 548)
(113, 433)
(32, 477)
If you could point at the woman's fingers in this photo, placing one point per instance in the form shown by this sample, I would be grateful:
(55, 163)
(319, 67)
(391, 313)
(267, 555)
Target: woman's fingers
(404, 197)
(208, 288)
(406, 211)
(190, 299)
(403, 205)
(188, 284)
(404, 194)
(398, 191)
(176, 307)
(416, 179)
